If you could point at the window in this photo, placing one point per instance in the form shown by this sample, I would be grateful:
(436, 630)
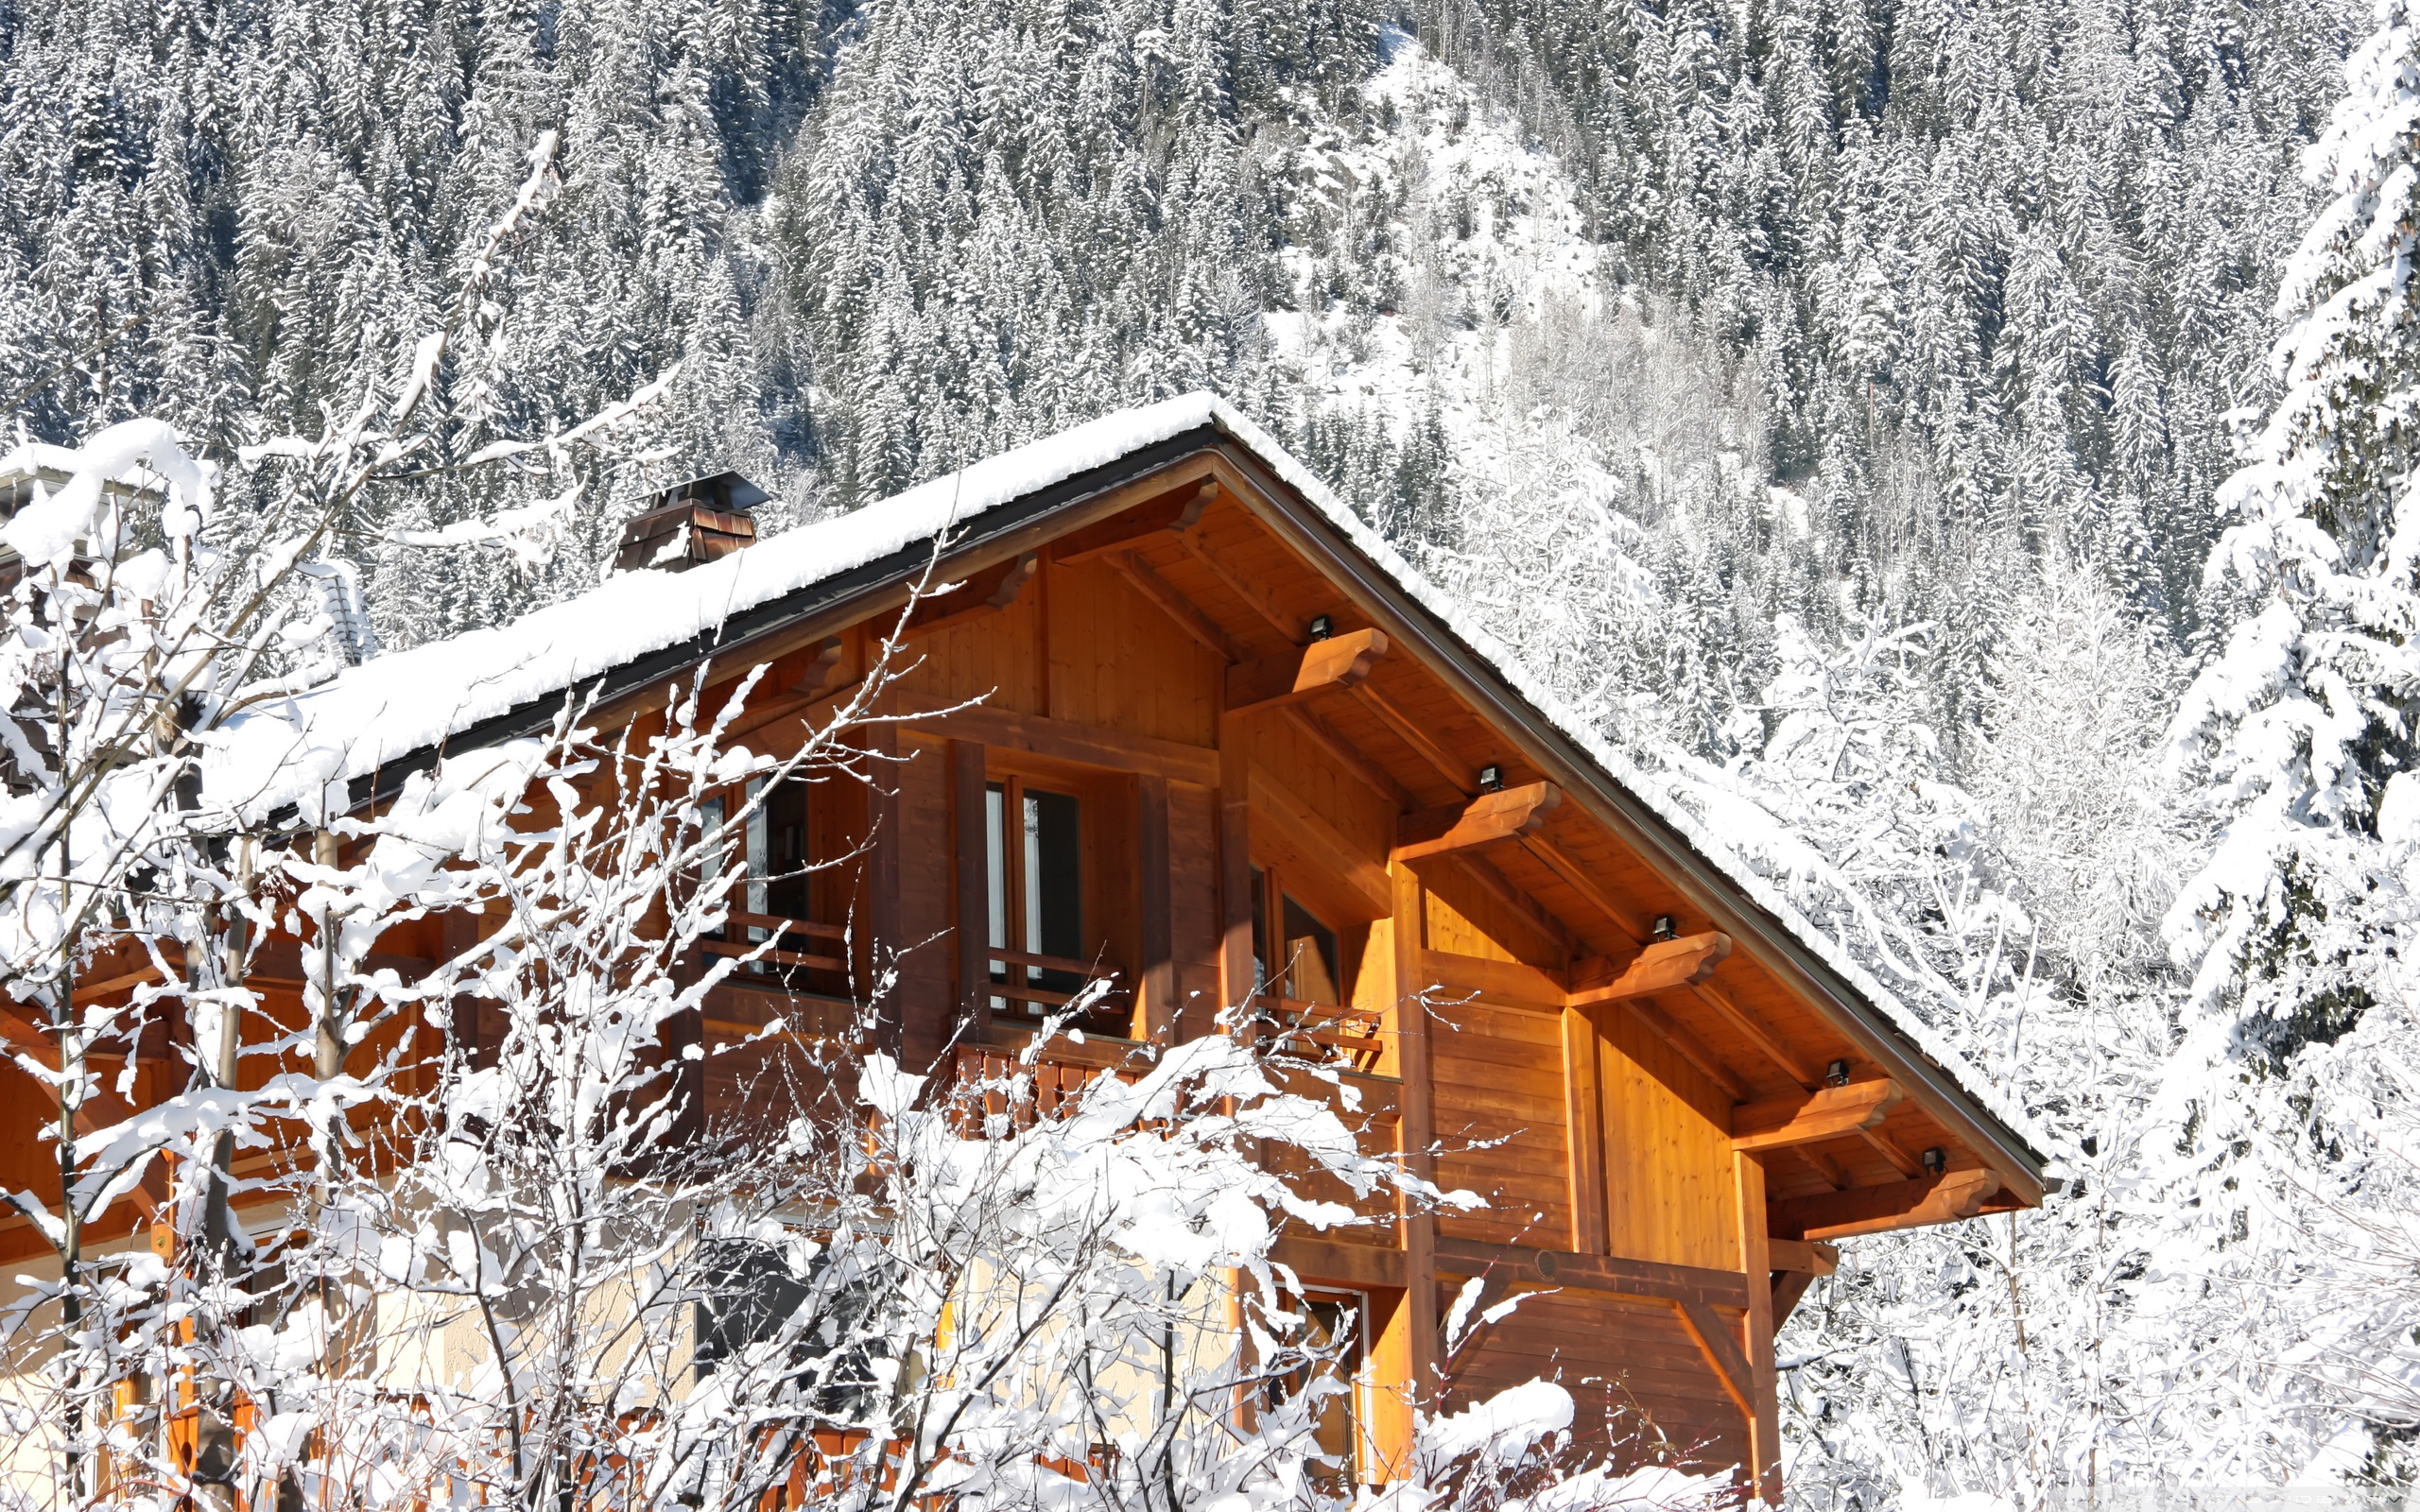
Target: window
(773, 841)
(1304, 969)
(1037, 934)
(1333, 1334)
(749, 1292)
(1309, 965)
(748, 1296)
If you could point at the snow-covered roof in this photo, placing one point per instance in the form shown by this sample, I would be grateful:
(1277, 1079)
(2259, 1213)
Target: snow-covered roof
(300, 750)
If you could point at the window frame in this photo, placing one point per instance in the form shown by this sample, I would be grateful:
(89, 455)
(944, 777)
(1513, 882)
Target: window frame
(1101, 912)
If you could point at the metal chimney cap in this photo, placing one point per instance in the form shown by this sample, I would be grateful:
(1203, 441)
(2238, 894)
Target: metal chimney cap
(727, 491)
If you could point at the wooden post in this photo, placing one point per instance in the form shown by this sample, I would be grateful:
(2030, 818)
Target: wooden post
(1234, 863)
(1583, 1133)
(1419, 1133)
(971, 875)
(1154, 896)
(883, 913)
(1756, 1258)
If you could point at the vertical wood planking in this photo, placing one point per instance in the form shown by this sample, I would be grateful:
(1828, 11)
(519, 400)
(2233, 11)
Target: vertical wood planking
(1668, 1182)
(1234, 863)
(971, 869)
(1157, 926)
(1583, 1132)
(1756, 1258)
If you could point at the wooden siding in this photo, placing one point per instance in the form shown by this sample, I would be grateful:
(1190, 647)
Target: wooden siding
(1593, 1133)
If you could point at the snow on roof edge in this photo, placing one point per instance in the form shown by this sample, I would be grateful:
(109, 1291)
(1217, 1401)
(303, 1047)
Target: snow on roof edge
(302, 750)
(1626, 775)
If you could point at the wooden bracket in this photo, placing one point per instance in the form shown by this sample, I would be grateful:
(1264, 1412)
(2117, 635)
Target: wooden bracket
(1796, 1264)
(818, 668)
(1790, 1286)
(1829, 1114)
(1487, 818)
(1892, 1205)
(986, 593)
(1803, 1254)
(1340, 661)
(1668, 963)
(1722, 1350)
(1177, 511)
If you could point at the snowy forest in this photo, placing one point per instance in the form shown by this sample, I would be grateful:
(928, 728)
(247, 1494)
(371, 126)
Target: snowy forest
(1957, 447)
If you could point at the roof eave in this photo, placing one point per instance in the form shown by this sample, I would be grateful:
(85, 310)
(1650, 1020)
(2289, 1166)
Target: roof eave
(1771, 942)
(848, 595)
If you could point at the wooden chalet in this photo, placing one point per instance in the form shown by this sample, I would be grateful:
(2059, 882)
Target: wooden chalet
(1228, 746)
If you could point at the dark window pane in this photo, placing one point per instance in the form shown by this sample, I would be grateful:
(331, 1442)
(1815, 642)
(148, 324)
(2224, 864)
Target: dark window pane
(786, 892)
(1054, 890)
(749, 1295)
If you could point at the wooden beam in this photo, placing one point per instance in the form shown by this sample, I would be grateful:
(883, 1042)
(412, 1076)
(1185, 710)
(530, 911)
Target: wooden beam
(1156, 899)
(1691, 1049)
(1235, 866)
(1884, 1145)
(1452, 767)
(1754, 1031)
(970, 873)
(1484, 821)
(1829, 1114)
(1803, 1255)
(1339, 662)
(1350, 757)
(20, 1036)
(1287, 625)
(1513, 981)
(1576, 877)
(1179, 510)
(1665, 964)
(1552, 930)
(1789, 1288)
(885, 916)
(1063, 740)
(1406, 931)
(1722, 1353)
(1329, 854)
(1328, 1261)
(1653, 1280)
(1880, 1208)
(1188, 615)
(986, 593)
(1584, 1117)
(1755, 1335)
(820, 666)
(1824, 1166)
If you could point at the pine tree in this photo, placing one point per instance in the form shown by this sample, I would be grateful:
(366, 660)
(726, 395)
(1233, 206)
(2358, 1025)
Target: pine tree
(2299, 733)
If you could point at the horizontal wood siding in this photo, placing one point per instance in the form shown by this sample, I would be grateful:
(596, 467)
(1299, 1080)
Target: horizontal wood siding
(1639, 1382)
(1499, 1088)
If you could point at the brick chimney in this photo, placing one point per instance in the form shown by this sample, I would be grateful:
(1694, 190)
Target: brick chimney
(691, 523)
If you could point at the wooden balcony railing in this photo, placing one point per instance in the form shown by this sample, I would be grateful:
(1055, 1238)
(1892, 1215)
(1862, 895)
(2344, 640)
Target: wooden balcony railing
(1351, 1038)
(775, 928)
(1013, 981)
